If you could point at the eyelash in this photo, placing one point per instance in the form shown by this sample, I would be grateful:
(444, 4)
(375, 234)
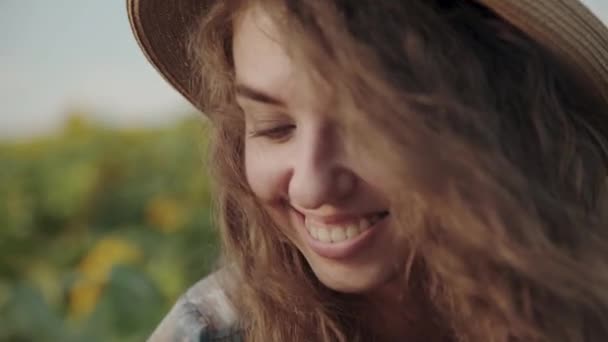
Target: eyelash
(274, 133)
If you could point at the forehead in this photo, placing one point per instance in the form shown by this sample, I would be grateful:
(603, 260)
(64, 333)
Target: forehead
(261, 61)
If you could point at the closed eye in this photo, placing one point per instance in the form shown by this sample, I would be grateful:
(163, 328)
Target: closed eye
(276, 133)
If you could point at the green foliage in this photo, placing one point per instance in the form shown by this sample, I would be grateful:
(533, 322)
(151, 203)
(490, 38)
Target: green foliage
(101, 230)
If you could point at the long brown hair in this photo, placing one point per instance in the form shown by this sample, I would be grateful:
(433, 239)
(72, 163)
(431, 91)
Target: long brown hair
(499, 153)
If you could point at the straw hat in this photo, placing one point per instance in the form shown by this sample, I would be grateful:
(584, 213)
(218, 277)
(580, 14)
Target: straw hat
(565, 27)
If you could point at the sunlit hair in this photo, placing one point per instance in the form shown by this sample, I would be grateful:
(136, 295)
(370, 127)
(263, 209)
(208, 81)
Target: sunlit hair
(498, 152)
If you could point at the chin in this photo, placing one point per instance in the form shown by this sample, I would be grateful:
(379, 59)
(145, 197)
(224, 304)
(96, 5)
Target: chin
(354, 281)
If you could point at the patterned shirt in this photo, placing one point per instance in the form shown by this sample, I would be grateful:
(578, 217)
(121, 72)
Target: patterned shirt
(203, 314)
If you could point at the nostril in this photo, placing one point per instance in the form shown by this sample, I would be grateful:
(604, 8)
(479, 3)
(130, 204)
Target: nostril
(345, 182)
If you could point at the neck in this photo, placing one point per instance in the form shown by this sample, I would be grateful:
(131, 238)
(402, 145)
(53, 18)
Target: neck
(404, 316)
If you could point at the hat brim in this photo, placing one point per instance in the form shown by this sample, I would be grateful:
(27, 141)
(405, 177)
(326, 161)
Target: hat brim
(565, 27)
(162, 29)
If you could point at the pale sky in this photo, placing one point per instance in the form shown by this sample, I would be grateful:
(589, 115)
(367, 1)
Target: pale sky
(55, 55)
(61, 54)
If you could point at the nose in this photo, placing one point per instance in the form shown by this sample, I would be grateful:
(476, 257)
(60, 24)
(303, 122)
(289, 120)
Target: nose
(320, 176)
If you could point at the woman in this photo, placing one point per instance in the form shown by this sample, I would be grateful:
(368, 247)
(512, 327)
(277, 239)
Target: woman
(396, 170)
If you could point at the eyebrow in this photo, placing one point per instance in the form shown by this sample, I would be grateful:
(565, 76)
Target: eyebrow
(257, 95)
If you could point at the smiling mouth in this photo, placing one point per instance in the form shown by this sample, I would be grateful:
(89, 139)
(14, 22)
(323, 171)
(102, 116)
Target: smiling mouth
(343, 231)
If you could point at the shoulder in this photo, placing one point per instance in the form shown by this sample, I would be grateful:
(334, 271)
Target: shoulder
(203, 313)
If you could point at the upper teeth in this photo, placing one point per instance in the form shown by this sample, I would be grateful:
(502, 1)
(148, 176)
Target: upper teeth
(339, 232)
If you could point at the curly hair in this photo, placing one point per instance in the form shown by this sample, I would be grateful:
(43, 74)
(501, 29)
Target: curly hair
(498, 154)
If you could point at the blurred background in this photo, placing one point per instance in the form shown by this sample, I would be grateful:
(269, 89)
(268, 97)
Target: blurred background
(104, 200)
(104, 203)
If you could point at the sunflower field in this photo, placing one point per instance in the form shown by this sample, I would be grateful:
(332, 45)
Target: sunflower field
(101, 230)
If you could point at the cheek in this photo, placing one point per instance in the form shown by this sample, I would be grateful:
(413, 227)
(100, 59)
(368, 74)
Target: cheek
(383, 182)
(375, 173)
(264, 171)
(266, 176)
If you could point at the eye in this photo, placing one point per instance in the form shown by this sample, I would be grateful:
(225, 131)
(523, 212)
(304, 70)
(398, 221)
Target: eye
(276, 133)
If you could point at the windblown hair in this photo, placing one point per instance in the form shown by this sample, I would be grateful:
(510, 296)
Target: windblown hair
(498, 151)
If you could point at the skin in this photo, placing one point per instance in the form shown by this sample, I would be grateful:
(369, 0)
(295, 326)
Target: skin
(303, 170)
(298, 165)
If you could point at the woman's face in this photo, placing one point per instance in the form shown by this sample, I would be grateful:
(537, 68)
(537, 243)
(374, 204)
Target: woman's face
(331, 201)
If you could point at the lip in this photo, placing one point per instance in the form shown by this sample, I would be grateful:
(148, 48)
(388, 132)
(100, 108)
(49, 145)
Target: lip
(339, 250)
